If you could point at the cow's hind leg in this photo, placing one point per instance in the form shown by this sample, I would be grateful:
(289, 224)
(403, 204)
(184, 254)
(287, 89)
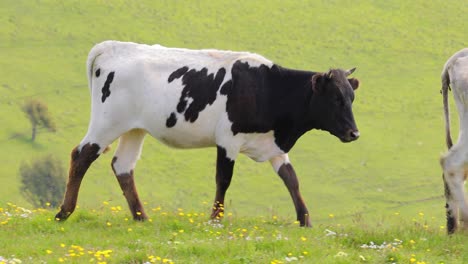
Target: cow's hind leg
(224, 170)
(123, 165)
(81, 159)
(451, 208)
(285, 170)
(456, 202)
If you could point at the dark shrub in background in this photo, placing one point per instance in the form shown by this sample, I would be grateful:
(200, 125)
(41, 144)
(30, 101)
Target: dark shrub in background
(43, 181)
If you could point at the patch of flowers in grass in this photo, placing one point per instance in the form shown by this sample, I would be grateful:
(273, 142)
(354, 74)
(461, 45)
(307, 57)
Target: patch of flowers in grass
(394, 245)
(12, 210)
(158, 259)
(74, 253)
(11, 260)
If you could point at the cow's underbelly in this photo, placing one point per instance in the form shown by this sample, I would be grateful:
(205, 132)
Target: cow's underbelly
(185, 138)
(260, 146)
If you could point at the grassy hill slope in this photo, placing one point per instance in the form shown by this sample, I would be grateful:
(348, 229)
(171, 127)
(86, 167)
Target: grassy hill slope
(399, 48)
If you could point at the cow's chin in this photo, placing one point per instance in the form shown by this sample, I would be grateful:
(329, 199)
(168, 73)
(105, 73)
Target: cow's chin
(346, 139)
(342, 138)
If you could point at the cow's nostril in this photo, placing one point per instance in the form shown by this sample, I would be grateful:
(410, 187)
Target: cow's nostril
(354, 134)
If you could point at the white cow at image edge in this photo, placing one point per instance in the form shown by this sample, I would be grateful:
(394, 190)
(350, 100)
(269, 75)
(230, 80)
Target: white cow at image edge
(455, 162)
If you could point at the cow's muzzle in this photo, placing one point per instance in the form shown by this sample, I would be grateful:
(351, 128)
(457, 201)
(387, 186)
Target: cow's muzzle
(351, 135)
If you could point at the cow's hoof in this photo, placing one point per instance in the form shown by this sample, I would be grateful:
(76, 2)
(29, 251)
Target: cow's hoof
(140, 217)
(217, 214)
(61, 216)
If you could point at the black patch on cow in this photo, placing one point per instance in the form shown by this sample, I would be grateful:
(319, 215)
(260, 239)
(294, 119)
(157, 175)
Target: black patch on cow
(261, 99)
(224, 170)
(106, 88)
(171, 120)
(177, 74)
(182, 105)
(451, 221)
(200, 90)
(226, 88)
(98, 73)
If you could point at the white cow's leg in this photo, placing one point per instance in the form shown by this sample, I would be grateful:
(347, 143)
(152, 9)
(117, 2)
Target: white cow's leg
(123, 164)
(81, 159)
(285, 170)
(454, 181)
(224, 170)
(451, 208)
(463, 206)
(457, 190)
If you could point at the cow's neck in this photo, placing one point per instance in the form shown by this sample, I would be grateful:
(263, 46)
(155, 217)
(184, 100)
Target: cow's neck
(292, 89)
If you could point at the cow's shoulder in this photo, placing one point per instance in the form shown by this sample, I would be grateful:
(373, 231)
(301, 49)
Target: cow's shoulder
(249, 95)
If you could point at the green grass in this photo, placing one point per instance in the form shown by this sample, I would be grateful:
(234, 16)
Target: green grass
(399, 48)
(178, 236)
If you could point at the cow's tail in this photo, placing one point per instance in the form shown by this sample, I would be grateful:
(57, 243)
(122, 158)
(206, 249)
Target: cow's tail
(94, 53)
(445, 89)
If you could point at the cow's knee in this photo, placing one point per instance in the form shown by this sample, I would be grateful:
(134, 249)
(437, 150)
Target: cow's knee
(278, 161)
(128, 151)
(84, 156)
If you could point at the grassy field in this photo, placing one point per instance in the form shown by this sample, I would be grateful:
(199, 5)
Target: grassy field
(373, 188)
(106, 235)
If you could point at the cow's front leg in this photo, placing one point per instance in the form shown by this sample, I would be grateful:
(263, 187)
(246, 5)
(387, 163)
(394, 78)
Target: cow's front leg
(285, 170)
(224, 170)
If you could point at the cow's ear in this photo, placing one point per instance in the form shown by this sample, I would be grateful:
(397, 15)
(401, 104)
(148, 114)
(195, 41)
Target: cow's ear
(354, 83)
(317, 82)
(350, 71)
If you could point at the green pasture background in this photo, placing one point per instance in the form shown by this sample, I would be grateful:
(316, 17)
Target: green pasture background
(398, 47)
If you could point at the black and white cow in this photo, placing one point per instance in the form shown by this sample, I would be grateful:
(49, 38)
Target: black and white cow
(455, 162)
(239, 102)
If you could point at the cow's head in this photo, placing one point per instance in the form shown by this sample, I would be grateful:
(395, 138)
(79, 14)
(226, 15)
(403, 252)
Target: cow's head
(331, 103)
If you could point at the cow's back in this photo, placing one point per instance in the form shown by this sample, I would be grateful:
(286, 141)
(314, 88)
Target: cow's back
(172, 93)
(459, 72)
